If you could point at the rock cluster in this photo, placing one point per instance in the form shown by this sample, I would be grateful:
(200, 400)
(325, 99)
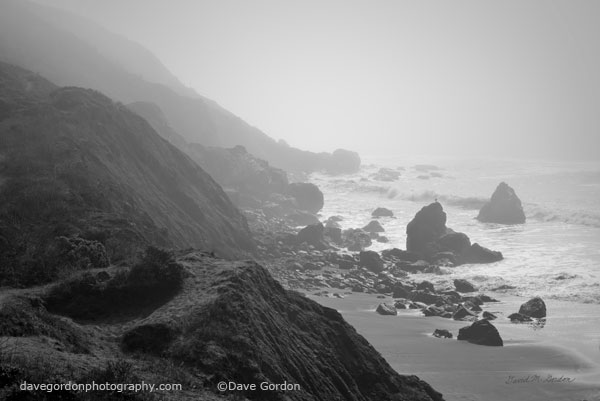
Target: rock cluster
(428, 236)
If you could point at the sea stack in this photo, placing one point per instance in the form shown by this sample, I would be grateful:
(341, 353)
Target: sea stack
(428, 237)
(504, 207)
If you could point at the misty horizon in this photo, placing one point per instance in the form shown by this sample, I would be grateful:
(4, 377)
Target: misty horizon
(463, 79)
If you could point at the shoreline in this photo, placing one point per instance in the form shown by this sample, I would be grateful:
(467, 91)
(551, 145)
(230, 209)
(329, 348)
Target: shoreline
(536, 365)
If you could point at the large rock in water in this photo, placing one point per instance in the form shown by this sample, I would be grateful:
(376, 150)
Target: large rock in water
(482, 332)
(343, 161)
(480, 254)
(425, 228)
(373, 227)
(428, 236)
(504, 207)
(535, 307)
(382, 212)
(308, 196)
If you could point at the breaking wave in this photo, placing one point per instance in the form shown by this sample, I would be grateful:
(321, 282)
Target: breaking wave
(585, 218)
(469, 202)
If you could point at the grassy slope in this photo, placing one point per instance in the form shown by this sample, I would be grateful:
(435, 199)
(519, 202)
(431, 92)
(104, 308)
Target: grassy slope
(74, 162)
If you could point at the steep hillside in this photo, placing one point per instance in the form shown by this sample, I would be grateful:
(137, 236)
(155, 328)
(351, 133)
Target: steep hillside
(74, 163)
(226, 321)
(71, 52)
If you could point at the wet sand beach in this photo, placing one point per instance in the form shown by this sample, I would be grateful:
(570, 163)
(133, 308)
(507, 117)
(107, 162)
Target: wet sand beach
(560, 361)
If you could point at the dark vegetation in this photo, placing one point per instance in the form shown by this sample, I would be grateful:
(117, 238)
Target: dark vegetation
(130, 293)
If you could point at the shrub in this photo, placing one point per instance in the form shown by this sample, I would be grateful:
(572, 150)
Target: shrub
(129, 293)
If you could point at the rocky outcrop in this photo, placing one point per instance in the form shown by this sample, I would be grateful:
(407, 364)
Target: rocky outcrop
(428, 225)
(248, 329)
(482, 332)
(535, 307)
(253, 180)
(504, 207)
(428, 236)
(382, 212)
(307, 195)
(342, 161)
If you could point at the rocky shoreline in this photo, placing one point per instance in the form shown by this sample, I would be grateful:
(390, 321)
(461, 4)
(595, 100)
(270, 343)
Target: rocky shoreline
(323, 260)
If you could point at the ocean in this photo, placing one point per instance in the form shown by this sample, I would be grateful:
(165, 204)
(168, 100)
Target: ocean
(555, 254)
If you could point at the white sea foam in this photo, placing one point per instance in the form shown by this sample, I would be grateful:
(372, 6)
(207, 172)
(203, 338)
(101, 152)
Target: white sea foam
(560, 238)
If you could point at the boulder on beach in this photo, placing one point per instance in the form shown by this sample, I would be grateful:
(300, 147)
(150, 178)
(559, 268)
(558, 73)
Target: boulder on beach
(463, 285)
(399, 291)
(373, 227)
(382, 212)
(463, 313)
(426, 285)
(482, 332)
(313, 235)
(442, 333)
(519, 318)
(504, 207)
(334, 234)
(535, 307)
(386, 309)
(488, 315)
(307, 195)
(371, 260)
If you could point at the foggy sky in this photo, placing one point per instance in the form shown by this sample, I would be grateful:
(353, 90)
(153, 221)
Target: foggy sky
(516, 78)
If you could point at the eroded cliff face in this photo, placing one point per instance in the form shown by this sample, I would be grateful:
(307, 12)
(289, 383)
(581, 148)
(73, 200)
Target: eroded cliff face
(240, 325)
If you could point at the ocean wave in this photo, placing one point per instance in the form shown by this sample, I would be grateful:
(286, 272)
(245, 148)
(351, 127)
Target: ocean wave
(469, 202)
(585, 218)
